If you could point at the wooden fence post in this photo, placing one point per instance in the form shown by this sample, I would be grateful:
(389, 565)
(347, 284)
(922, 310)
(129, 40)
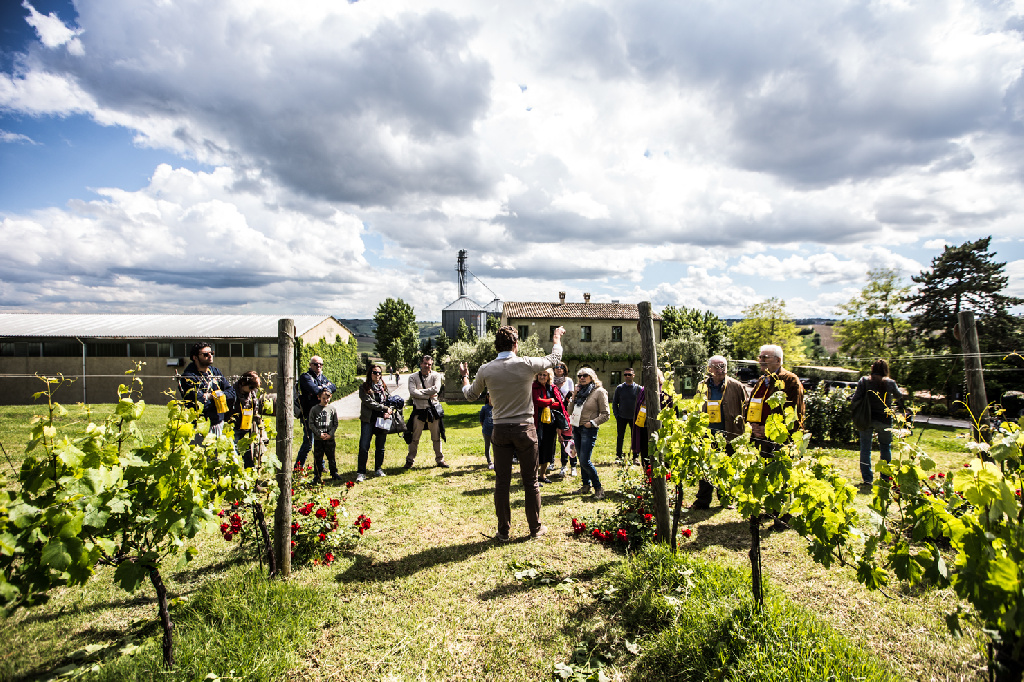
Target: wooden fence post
(652, 400)
(285, 421)
(977, 400)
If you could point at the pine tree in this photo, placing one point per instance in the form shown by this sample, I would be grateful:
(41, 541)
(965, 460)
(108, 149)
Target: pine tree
(965, 277)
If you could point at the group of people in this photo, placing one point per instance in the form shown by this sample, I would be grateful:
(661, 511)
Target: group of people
(532, 406)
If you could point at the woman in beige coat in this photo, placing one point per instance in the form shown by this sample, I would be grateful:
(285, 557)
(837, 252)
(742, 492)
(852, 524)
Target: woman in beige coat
(590, 410)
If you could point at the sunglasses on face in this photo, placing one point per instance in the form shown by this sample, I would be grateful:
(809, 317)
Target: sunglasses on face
(206, 355)
(376, 371)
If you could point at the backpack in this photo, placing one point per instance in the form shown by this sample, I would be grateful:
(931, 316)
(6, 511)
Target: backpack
(296, 403)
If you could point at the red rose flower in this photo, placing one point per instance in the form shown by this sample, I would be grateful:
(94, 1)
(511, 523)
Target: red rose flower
(228, 536)
(687, 532)
(322, 537)
(622, 535)
(941, 475)
(224, 528)
(328, 558)
(335, 503)
(321, 513)
(349, 484)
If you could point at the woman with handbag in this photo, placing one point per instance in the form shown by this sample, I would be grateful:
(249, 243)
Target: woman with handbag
(565, 385)
(883, 395)
(548, 415)
(373, 397)
(589, 411)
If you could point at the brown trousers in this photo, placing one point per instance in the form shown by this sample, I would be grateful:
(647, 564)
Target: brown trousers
(519, 441)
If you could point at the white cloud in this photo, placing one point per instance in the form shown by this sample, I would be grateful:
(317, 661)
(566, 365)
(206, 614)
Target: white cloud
(571, 145)
(6, 136)
(52, 31)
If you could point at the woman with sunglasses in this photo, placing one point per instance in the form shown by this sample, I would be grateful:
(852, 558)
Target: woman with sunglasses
(373, 396)
(590, 410)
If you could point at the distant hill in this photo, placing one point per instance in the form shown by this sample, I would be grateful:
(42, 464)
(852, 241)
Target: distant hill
(365, 331)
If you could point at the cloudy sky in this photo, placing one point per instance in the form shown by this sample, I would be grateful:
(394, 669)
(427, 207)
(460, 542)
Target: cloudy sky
(270, 157)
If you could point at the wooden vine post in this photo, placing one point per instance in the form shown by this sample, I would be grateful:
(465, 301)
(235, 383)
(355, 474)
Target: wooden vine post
(977, 400)
(652, 400)
(285, 423)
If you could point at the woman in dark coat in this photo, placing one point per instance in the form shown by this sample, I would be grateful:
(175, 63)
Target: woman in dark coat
(883, 394)
(373, 396)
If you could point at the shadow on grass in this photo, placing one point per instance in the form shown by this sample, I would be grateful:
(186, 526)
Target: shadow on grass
(521, 586)
(364, 569)
(140, 598)
(236, 557)
(463, 420)
(733, 536)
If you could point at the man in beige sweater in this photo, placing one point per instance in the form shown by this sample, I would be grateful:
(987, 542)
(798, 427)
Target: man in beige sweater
(508, 379)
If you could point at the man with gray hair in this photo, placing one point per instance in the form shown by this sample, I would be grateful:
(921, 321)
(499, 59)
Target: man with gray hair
(757, 409)
(509, 381)
(724, 406)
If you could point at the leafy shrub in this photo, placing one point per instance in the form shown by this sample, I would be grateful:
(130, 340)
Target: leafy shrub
(829, 417)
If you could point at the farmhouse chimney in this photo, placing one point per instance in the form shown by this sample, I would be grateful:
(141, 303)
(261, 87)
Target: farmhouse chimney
(586, 298)
(561, 298)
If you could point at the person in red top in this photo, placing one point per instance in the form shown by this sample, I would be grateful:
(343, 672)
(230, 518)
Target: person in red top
(546, 395)
(756, 408)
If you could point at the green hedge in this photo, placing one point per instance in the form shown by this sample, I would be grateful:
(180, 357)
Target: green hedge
(829, 417)
(340, 361)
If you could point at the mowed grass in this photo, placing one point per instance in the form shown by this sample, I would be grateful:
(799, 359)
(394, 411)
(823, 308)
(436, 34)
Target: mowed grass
(428, 595)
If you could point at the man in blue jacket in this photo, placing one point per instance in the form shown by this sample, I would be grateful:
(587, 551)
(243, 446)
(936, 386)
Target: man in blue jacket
(310, 385)
(202, 386)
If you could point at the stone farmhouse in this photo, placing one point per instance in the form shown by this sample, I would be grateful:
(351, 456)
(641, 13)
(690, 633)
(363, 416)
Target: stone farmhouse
(602, 336)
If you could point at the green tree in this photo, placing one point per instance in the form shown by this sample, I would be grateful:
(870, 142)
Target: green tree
(872, 328)
(767, 322)
(965, 277)
(465, 333)
(396, 320)
(493, 323)
(394, 354)
(341, 359)
(427, 347)
(705, 324)
(686, 355)
(444, 342)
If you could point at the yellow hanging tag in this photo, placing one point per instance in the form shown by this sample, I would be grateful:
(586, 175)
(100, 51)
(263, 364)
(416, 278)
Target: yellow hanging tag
(545, 415)
(641, 417)
(220, 401)
(246, 419)
(754, 412)
(714, 412)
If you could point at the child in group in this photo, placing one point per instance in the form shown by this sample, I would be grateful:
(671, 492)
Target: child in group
(487, 427)
(323, 422)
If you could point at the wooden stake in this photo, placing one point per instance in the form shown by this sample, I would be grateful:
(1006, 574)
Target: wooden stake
(977, 401)
(285, 421)
(652, 400)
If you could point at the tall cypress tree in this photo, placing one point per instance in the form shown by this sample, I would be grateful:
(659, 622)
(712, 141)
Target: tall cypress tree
(964, 277)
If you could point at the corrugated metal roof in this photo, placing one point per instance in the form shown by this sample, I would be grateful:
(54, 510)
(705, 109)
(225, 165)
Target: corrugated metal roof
(495, 306)
(151, 326)
(585, 311)
(464, 303)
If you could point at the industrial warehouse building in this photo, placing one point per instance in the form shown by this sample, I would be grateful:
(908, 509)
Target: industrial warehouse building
(96, 350)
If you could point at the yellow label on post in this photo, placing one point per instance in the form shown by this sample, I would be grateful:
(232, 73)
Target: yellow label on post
(714, 412)
(220, 401)
(641, 417)
(754, 411)
(246, 419)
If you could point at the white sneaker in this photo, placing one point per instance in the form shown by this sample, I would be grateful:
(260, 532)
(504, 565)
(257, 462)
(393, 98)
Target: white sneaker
(490, 465)
(380, 472)
(360, 478)
(551, 466)
(572, 472)
(561, 472)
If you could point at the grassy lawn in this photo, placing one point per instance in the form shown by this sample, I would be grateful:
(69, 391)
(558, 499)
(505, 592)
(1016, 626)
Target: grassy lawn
(428, 595)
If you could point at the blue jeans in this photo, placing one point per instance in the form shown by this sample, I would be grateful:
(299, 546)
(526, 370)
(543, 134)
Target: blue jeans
(307, 444)
(884, 447)
(367, 432)
(585, 438)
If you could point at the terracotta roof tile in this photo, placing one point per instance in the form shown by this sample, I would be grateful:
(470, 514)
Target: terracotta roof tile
(518, 310)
